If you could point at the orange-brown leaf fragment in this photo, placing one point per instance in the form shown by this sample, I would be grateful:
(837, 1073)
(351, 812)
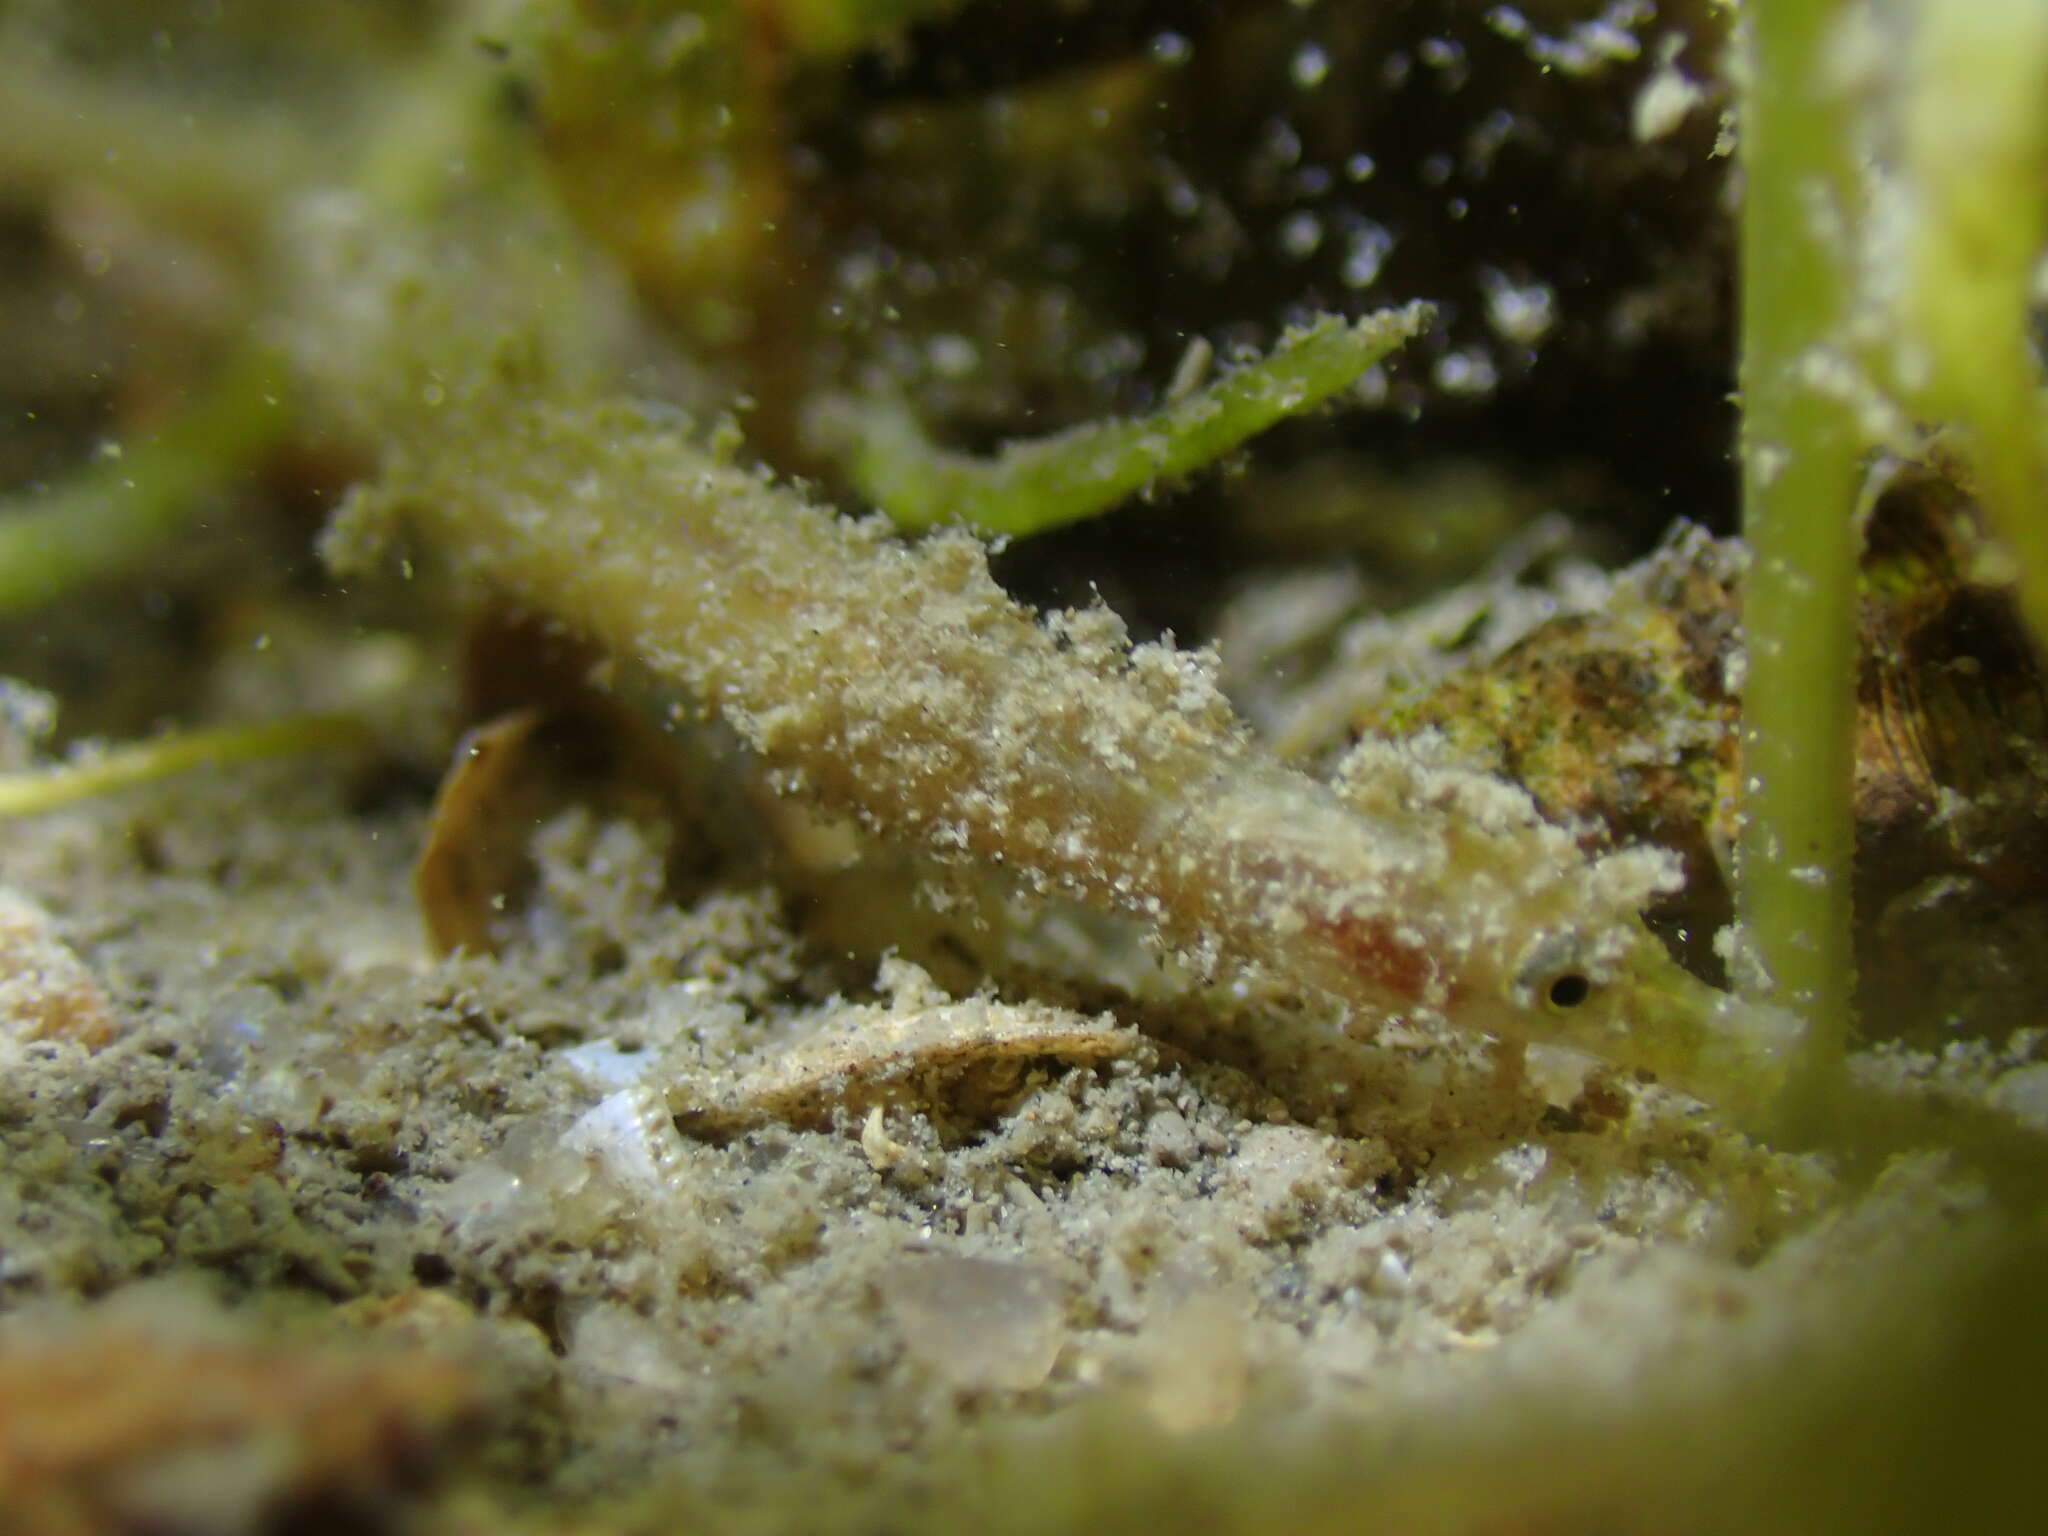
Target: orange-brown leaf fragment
(46, 992)
(475, 855)
(117, 1429)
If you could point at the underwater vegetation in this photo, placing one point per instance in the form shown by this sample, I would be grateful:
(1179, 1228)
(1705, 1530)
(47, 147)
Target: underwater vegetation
(721, 152)
(1312, 530)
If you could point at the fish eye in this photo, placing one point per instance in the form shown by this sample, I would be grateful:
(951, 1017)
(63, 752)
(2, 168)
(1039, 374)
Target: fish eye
(1554, 975)
(1568, 990)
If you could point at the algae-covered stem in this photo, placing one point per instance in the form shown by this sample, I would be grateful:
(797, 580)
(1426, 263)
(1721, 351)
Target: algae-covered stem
(33, 791)
(1050, 482)
(1975, 142)
(1800, 449)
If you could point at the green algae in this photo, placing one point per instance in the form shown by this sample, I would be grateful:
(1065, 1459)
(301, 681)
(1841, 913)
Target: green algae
(1030, 487)
(1877, 287)
(106, 519)
(1800, 474)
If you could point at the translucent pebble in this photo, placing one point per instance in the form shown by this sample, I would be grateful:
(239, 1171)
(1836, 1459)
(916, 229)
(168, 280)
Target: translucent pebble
(613, 1342)
(238, 1025)
(603, 1065)
(1196, 1365)
(488, 1197)
(633, 1138)
(980, 1324)
(1390, 1276)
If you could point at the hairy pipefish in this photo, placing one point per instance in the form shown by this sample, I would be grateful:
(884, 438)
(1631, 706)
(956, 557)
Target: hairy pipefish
(898, 683)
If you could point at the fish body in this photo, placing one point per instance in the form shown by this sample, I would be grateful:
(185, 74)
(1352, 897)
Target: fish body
(898, 685)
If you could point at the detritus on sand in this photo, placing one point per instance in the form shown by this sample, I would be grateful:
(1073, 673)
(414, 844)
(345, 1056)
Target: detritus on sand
(818, 1324)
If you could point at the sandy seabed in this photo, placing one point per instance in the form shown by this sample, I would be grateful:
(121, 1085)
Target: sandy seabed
(662, 1219)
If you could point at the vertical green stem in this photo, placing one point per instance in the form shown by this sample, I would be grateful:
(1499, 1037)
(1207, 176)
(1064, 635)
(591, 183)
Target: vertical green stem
(1800, 452)
(1975, 142)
